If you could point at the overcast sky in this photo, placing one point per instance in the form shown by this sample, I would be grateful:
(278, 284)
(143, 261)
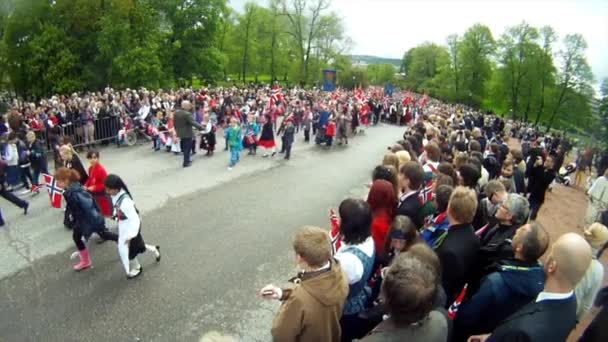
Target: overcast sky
(387, 28)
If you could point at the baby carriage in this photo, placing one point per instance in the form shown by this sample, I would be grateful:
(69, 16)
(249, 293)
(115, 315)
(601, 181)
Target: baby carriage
(563, 176)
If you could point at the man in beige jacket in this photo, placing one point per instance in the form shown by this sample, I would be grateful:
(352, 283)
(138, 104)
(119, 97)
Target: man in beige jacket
(311, 310)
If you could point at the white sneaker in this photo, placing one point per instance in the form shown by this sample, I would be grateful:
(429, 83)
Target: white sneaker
(74, 255)
(229, 168)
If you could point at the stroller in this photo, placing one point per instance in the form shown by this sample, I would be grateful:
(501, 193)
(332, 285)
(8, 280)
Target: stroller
(563, 176)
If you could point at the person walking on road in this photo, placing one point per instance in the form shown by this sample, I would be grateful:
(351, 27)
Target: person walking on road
(130, 241)
(95, 183)
(184, 121)
(87, 218)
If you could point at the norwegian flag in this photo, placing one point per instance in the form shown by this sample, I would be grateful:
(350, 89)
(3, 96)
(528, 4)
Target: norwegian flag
(275, 96)
(334, 233)
(456, 305)
(55, 192)
(407, 100)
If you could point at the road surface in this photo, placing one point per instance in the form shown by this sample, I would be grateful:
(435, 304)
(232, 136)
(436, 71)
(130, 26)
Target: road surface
(224, 234)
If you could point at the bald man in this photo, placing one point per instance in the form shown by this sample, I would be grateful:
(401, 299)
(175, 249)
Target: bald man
(552, 316)
(184, 121)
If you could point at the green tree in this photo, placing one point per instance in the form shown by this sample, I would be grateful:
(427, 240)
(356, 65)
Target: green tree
(515, 55)
(424, 65)
(304, 18)
(546, 67)
(574, 74)
(475, 49)
(381, 73)
(603, 112)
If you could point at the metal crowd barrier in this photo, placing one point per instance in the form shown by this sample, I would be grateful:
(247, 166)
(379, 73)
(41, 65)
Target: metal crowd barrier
(103, 131)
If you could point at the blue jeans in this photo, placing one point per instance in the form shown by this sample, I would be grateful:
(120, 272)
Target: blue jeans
(234, 155)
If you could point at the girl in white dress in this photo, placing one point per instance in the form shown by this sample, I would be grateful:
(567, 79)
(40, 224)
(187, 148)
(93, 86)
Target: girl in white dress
(130, 241)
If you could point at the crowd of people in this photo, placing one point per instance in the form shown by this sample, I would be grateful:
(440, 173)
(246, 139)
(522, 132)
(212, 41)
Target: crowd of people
(447, 233)
(446, 245)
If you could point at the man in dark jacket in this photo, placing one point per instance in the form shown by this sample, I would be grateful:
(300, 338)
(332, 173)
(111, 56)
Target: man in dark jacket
(540, 175)
(514, 283)
(411, 176)
(184, 121)
(458, 250)
(496, 242)
(552, 316)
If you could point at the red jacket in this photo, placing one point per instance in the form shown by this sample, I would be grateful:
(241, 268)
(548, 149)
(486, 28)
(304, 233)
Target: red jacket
(331, 129)
(97, 178)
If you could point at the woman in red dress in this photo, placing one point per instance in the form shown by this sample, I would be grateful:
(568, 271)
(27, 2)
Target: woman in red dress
(95, 183)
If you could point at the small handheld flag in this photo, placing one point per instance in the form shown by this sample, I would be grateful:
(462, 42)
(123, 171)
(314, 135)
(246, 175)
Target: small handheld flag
(454, 307)
(55, 192)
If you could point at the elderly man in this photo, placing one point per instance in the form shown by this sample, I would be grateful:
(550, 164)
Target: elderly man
(552, 316)
(511, 214)
(513, 283)
(184, 121)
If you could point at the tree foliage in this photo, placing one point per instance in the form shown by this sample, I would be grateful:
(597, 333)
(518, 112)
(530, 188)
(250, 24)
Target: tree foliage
(519, 75)
(59, 46)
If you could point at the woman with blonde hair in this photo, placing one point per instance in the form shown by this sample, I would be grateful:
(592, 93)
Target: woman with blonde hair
(71, 160)
(391, 159)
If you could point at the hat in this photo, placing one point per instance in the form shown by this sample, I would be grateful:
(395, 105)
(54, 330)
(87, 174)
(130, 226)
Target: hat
(596, 235)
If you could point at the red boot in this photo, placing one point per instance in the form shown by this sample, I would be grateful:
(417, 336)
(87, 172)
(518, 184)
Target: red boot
(85, 262)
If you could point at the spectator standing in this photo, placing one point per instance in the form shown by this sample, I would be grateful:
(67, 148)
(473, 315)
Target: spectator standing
(540, 175)
(409, 289)
(411, 176)
(356, 255)
(459, 248)
(586, 290)
(568, 259)
(513, 283)
(311, 310)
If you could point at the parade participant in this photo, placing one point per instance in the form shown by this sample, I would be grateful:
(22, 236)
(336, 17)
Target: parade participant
(208, 137)
(184, 121)
(95, 183)
(234, 139)
(130, 240)
(330, 132)
(10, 157)
(71, 160)
(250, 139)
(288, 138)
(267, 137)
(85, 213)
(37, 158)
(311, 310)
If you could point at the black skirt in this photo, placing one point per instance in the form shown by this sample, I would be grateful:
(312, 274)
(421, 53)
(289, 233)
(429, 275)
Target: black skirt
(136, 246)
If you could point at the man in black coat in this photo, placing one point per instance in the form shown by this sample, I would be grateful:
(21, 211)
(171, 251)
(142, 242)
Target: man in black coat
(552, 316)
(411, 177)
(184, 121)
(458, 250)
(540, 175)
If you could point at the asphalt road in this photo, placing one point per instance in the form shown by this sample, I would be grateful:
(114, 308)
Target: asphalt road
(219, 246)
